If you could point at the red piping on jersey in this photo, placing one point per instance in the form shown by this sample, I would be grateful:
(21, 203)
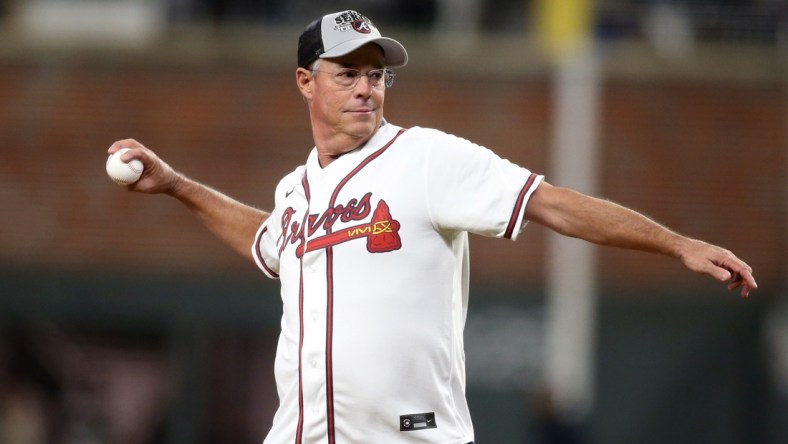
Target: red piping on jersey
(330, 295)
(518, 206)
(300, 427)
(260, 255)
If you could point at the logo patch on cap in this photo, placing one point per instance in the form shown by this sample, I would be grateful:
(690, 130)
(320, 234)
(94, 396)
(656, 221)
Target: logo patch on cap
(353, 20)
(362, 26)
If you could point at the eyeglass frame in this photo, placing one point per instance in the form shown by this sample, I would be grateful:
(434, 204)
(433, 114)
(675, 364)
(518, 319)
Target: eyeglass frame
(387, 78)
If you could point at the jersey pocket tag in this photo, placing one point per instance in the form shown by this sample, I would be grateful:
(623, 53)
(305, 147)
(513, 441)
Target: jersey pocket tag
(417, 421)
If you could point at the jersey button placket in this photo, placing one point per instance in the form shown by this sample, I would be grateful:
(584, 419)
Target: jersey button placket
(313, 352)
(320, 400)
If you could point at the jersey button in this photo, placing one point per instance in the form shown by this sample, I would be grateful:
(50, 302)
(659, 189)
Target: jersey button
(314, 363)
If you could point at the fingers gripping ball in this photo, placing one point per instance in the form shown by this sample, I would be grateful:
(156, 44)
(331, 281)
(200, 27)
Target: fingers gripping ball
(121, 172)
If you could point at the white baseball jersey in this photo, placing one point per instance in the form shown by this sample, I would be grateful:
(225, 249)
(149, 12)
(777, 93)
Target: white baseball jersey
(372, 255)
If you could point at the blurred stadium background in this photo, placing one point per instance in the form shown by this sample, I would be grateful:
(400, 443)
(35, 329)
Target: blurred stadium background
(122, 321)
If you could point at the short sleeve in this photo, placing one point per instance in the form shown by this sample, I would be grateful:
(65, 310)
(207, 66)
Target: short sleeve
(470, 188)
(264, 248)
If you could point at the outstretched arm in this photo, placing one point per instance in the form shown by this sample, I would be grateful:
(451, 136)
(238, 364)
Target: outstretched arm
(231, 221)
(605, 223)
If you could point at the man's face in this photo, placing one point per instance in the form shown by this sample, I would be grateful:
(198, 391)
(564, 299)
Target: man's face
(354, 111)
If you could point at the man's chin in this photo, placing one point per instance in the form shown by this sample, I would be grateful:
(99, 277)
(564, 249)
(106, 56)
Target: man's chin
(363, 128)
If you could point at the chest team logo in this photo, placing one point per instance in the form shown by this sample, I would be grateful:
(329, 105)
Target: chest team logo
(381, 232)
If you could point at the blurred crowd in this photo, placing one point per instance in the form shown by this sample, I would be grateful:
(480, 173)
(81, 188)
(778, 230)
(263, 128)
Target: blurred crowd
(72, 388)
(751, 20)
(736, 20)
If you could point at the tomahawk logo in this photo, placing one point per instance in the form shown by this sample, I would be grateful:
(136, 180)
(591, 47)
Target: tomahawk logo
(381, 233)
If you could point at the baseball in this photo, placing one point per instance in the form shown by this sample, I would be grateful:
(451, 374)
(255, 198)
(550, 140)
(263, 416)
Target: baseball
(121, 172)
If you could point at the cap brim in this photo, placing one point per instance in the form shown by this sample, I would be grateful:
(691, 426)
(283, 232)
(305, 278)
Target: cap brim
(394, 53)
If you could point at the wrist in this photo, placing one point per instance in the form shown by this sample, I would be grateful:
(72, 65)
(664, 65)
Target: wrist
(682, 246)
(178, 187)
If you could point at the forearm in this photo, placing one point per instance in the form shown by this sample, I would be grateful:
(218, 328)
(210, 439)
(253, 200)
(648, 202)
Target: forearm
(614, 225)
(231, 221)
(606, 223)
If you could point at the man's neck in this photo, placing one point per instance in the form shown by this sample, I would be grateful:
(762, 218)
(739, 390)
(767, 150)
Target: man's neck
(331, 148)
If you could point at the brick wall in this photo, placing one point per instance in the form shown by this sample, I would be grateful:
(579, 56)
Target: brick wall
(707, 158)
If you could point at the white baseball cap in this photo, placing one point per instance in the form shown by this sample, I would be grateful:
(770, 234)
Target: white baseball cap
(341, 33)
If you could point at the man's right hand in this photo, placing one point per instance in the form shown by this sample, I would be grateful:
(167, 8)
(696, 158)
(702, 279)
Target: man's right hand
(157, 176)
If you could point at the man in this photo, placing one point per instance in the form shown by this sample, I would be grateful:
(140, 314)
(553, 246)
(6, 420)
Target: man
(369, 241)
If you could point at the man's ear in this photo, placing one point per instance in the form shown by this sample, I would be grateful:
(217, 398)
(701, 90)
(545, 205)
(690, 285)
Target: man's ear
(304, 82)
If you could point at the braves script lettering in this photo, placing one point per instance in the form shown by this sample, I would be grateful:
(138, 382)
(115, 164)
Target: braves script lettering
(381, 233)
(353, 210)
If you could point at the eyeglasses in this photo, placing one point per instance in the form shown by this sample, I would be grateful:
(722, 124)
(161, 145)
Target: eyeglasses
(348, 78)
